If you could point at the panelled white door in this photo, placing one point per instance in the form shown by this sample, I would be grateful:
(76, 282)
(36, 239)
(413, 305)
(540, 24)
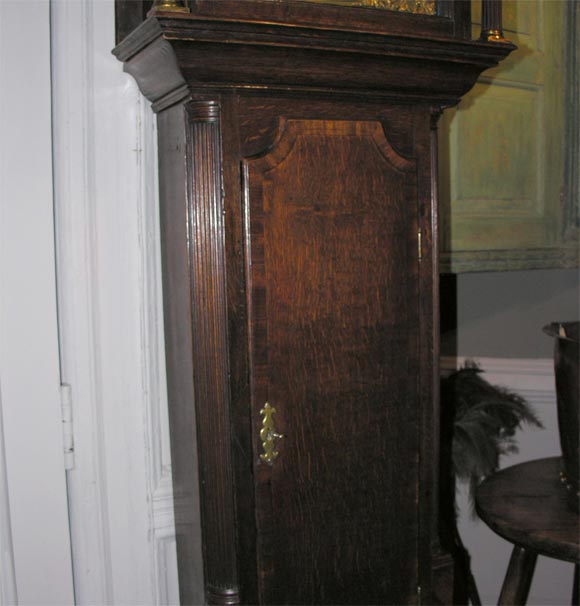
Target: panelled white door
(35, 562)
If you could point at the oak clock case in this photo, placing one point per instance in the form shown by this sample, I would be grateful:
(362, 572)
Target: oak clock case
(297, 172)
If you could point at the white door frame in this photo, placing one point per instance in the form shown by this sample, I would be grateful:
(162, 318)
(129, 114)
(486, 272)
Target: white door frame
(111, 334)
(35, 563)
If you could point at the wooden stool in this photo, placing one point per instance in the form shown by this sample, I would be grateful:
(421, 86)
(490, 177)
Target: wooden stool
(526, 505)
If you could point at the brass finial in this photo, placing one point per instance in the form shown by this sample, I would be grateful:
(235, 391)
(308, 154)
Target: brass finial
(491, 22)
(168, 6)
(493, 35)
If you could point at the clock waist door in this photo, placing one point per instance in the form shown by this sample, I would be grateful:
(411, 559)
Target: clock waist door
(332, 282)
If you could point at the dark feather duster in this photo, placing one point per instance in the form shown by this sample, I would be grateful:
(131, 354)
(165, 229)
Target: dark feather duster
(478, 426)
(486, 418)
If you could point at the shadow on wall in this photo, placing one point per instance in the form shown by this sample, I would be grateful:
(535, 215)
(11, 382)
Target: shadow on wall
(501, 314)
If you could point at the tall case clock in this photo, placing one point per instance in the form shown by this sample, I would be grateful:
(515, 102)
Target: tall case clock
(298, 200)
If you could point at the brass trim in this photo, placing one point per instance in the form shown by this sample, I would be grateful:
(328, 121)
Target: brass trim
(268, 434)
(168, 6)
(418, 7)
(493, 35)
(569, 486)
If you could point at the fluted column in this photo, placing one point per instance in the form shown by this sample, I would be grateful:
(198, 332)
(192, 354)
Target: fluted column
(210, 350)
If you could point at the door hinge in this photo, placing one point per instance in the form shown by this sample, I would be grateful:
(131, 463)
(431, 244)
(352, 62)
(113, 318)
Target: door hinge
(67, 426)
(420, 244)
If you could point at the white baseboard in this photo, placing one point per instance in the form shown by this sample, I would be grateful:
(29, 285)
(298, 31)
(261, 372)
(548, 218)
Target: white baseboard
(531, 378)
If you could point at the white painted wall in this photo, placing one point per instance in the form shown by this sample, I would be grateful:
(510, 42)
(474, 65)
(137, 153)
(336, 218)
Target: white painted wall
(501, 314)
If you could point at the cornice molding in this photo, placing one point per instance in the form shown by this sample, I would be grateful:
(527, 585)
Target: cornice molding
(214, 52)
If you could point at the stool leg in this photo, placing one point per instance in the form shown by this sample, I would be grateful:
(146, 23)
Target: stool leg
(575, 588)
(518, 578)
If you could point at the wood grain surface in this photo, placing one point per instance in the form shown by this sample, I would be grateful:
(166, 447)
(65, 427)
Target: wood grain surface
(334, 329)
(297, 169)
(526, 504)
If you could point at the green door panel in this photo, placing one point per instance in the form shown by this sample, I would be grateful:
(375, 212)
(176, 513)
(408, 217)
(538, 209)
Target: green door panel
(503, 152)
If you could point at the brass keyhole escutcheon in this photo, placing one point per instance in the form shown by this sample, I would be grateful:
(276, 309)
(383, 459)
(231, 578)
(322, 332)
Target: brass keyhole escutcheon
(268, 434)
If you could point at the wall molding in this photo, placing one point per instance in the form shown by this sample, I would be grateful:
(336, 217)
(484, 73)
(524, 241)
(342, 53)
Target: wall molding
(156, 430)
(532, 378)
